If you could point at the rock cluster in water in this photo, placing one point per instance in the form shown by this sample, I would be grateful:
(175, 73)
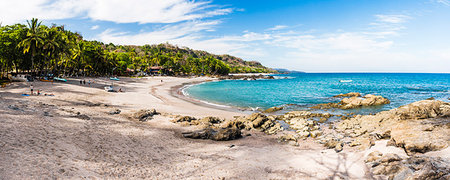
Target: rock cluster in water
(354, 101)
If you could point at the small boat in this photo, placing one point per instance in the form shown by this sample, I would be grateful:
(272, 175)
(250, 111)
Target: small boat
(345, 81)
(22, 78)
(45, 80)
(114, 78)
(109, 89)
(60, 79)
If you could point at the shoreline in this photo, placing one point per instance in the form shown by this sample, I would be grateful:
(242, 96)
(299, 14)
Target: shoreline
(74, 135)
(178, 92)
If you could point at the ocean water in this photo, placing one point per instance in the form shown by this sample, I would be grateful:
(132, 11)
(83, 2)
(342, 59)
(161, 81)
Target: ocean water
(303, 90)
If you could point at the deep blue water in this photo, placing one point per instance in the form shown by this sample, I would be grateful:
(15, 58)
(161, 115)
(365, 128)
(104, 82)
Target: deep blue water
(307, 89)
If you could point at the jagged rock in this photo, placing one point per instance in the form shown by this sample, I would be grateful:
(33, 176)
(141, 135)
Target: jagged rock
(216, 135)
(273, 109)
(304, 127)
(145, 114)
(351, 94)
(255, 121)
(416, 167)
(339, 147)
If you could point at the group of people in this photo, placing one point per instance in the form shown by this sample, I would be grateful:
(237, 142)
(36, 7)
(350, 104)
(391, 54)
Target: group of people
(83, 82)
(38, 91)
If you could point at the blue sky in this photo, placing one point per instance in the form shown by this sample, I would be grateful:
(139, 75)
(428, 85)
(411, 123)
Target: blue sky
(307, 35)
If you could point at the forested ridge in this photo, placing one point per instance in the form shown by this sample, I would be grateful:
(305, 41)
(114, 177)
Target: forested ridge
(40, 49)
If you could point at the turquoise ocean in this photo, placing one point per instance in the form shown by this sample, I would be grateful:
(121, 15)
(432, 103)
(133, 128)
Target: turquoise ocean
(303, 90)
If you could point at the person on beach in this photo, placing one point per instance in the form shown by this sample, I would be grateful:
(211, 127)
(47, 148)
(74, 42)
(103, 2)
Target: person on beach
(89, 82)
(31, 88)
(81, 82)
(84, 82)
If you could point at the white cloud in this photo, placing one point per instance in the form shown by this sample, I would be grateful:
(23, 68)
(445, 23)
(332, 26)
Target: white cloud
(392, 18)
(95, 27)
(131, 11)
(277, 27)
(444, 2)
(167, 33)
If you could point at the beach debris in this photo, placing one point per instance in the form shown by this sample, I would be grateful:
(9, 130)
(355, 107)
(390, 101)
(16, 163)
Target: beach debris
(13, 107)
(47, 114)
(415, 167)
(145, 114)
(222, 134)
(273, 109)
(351, 94)
(81, 116)
(116, 111)
(418, 127)
(355, 102)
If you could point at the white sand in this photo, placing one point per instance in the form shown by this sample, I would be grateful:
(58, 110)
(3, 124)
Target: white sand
(35, 146)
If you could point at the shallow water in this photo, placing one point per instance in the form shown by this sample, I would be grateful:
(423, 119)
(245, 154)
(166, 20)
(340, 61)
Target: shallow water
(306, 89)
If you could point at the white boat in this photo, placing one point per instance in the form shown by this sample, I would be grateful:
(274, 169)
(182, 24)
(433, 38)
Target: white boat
(344, 81)
(109, 89)
(21, 78)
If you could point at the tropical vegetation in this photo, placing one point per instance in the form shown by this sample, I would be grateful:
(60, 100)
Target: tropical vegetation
(39, 49)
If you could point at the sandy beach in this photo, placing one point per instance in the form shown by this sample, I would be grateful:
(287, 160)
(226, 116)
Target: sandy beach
(73, 135)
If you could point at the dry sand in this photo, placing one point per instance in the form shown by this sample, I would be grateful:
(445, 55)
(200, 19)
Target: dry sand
(44, 137)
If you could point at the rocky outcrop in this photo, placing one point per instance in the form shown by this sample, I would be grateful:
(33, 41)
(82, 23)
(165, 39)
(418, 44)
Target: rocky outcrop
(223, 134)
(416, 167)
(351, 94)
(354, 102)
(145, 114)
(273, 109)
(205, 122)
(304, 127)
(418, 127)
(367, 100)
(255, 121)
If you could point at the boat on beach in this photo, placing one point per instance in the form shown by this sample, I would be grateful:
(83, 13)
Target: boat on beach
(109, 89)
(60, 79)
(114, 78)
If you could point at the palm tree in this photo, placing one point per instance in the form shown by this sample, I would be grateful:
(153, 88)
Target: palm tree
(33, 40)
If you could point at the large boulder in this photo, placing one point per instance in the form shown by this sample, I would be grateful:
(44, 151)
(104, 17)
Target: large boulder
(367, 100)
(415, 167)
(145, 114)
(418, 127)
(205, 122)
(255, 121)
(223, 134)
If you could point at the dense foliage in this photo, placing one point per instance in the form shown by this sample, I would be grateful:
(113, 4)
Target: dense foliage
(39, 49)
